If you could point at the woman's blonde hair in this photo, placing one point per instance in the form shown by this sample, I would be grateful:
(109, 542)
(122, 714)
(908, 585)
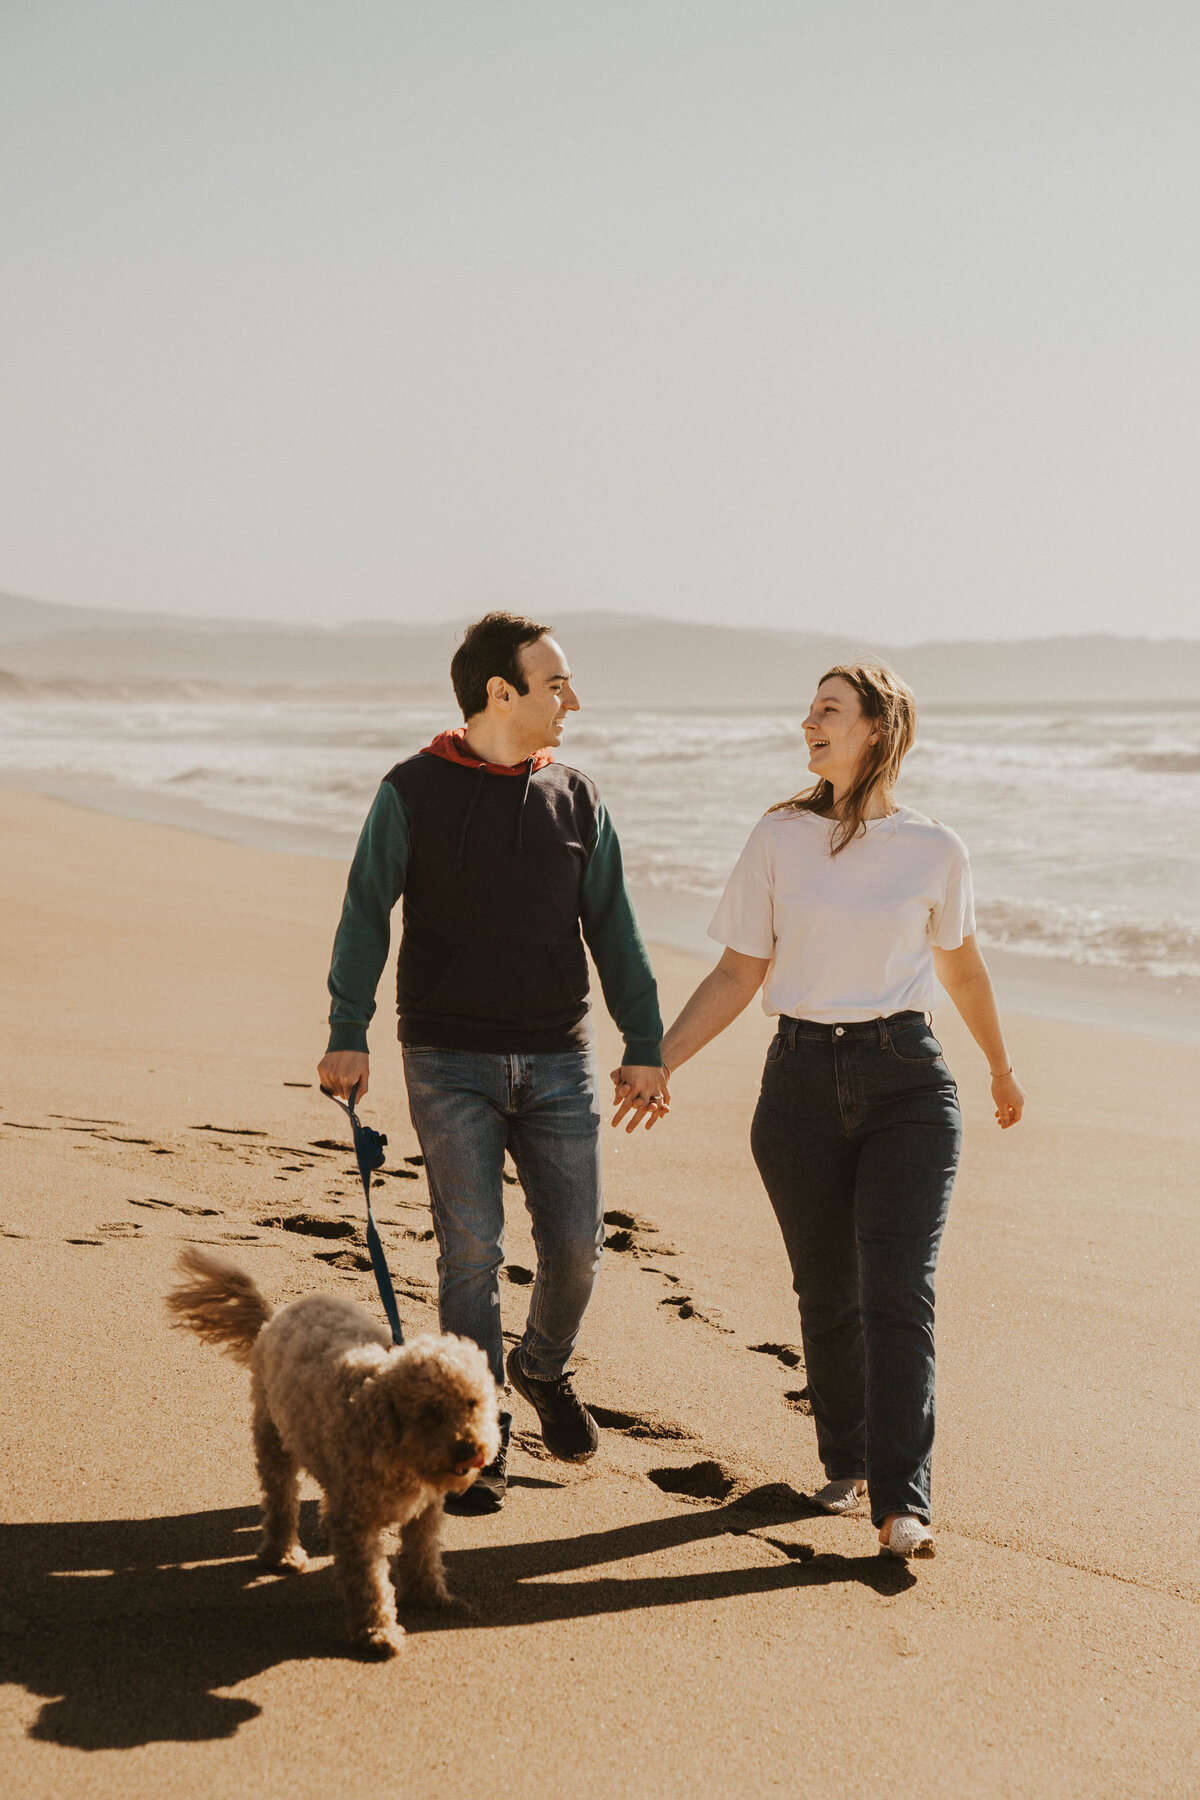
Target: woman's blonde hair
(892, 711)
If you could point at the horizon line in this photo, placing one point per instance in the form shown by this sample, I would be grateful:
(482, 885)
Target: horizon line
(386, 625)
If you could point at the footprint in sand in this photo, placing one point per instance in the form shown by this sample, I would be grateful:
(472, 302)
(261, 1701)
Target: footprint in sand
(797, 1552)
(639, 1425)
(192, 1212)
(407, 1292)
(699, 1481)
(790, 1355)
(628, 1221)
(309, 1225)
(530, 1442)
(517, 1275)
(798, 1400)
(686, 1308)
(629, 1232)
(93, 1130)
(78, 1119)
(344, 1259)
(229, 1130)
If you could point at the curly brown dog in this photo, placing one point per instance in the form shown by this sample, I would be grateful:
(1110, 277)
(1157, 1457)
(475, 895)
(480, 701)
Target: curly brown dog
(386, 1430)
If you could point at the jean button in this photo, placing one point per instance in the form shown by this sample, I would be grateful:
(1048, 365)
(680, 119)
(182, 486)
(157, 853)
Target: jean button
(838, 1031)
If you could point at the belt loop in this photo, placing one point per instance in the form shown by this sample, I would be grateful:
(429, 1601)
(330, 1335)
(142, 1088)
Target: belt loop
(793, 1028)
(883, 1032)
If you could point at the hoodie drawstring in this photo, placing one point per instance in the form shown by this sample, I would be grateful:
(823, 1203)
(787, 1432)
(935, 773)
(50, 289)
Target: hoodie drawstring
(462, 836)
(475, 793)
(524, 798)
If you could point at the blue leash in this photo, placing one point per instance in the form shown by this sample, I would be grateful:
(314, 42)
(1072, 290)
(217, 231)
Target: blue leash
(368, 1152)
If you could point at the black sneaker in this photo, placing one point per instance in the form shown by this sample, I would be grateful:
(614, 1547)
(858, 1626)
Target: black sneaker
(485, 1494)
(568, 1428)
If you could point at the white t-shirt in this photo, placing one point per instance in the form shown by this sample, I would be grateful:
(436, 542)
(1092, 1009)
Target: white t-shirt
(851, 936)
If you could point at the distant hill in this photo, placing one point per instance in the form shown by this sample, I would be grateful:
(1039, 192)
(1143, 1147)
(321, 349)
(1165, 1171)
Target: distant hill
(631, 660)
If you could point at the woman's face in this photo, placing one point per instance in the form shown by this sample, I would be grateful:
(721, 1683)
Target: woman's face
(837, 732)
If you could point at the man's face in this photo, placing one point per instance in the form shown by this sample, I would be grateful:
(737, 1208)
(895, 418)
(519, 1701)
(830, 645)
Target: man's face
(541, 712)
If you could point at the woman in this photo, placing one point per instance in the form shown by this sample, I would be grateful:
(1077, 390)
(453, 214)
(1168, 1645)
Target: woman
(846, 904)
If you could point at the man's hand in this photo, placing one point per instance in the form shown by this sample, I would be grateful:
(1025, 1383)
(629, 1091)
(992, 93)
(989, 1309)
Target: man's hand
(339, 1070)
(641, 1091)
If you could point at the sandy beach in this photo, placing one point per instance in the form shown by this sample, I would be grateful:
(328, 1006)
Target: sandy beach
(670, 1617)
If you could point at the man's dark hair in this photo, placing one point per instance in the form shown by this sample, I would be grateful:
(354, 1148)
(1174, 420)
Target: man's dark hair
(492, 646)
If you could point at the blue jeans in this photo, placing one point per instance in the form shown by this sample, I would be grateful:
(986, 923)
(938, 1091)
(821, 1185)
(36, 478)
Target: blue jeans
(468, 1107)
(856, 1136)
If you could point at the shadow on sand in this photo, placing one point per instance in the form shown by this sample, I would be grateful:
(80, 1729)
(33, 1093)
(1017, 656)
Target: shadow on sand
(130, 1628)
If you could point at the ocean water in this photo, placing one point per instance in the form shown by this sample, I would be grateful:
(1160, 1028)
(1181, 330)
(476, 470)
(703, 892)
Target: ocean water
(1083, 823)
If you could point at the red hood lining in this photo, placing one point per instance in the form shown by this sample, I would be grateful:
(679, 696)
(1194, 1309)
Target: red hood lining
(451, 747)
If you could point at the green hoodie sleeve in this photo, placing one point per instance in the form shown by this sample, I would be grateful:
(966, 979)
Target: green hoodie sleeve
(612, 936)
(360, 948)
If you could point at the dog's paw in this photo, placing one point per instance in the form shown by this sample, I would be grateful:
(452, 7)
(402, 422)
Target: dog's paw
(289, 1561)
(380, 1644)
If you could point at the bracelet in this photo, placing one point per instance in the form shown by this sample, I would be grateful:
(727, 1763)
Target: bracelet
(1002, 1073)
(665, 1070)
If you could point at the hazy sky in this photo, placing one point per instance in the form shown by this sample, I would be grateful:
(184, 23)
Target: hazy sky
(858, 315)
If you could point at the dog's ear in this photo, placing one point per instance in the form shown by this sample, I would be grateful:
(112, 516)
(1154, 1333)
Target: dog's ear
(383, 1413)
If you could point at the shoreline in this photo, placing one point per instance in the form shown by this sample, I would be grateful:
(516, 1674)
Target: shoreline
(1109, 999)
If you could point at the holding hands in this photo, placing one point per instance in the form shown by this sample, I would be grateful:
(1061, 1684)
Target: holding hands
(642, 1092)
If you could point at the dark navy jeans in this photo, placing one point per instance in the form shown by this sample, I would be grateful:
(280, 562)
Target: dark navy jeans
(856, 1136)
(468, 1107)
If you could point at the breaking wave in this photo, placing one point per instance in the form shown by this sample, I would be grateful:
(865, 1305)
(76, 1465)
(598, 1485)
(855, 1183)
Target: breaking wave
(1167, 762)
(1089, 936)
(1075, 858)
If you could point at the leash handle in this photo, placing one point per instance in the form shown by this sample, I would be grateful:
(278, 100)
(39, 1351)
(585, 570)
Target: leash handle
(368, 1153)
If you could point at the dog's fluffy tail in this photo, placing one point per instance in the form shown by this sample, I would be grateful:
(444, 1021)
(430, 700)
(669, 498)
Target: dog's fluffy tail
(219, 1302)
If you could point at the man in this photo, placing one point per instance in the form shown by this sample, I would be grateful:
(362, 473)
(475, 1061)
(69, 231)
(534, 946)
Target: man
(507, 862)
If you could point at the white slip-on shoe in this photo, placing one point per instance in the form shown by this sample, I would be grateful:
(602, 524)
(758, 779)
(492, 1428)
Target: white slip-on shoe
(840, 1496)
(909, 1537)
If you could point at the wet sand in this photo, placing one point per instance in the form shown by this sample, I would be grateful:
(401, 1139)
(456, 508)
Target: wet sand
(670, 1616)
